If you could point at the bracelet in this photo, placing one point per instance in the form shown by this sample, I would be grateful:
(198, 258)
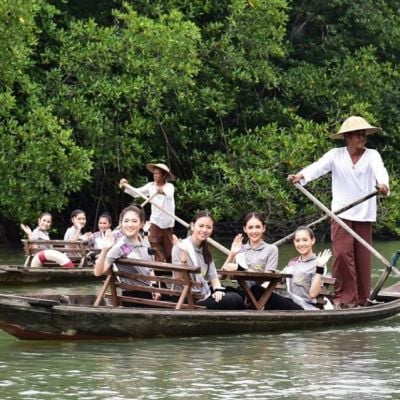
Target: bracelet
(319, 270)
(219, 289)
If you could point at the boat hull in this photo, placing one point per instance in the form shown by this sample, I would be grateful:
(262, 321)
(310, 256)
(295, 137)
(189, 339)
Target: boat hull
(15, 275)
(36, 319)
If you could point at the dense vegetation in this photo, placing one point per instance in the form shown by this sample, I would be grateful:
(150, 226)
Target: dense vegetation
(232, 95)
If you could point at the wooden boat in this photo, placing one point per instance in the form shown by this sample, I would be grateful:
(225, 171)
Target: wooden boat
(73, 317)
(77, 253)
(17, 274)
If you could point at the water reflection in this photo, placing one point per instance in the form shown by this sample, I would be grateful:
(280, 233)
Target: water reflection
(360, 362)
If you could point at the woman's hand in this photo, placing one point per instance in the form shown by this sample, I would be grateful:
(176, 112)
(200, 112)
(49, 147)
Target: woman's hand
(156, 296)
(108, 240)
(218, 295)
(323, 257)
(86, 236)
(78, 225)
(237, 244)
(26, 229)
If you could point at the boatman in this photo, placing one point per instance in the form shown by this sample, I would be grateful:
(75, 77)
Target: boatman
(356, 171)
(161, 192)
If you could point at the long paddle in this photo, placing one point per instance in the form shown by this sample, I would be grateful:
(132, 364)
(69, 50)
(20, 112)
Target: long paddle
(136, 193)
(324, 217)
(388, 265)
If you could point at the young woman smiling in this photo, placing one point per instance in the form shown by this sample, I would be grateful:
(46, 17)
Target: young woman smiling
(256, 254)
(195, 252)
(130, 245)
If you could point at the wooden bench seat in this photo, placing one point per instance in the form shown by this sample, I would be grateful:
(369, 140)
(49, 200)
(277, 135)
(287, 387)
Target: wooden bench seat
(327, 290)
(76, 251)
(172, 281)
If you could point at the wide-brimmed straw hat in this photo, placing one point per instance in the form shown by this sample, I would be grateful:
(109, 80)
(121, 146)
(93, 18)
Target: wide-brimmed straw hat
(163, 167)
(353, 124)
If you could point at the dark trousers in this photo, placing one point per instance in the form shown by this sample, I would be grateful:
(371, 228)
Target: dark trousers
(351, 263)
(161, 241)
(276, 301)
(230, 301)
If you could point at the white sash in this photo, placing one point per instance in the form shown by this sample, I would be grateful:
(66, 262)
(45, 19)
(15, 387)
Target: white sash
(241, 260)
(191, 252)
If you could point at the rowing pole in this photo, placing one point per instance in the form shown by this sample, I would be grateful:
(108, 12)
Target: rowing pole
(136, 193)
(388, 265)
(342, 224)
(324, 217)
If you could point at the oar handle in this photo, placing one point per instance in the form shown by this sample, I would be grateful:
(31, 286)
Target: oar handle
(136, 193)
(341, 223)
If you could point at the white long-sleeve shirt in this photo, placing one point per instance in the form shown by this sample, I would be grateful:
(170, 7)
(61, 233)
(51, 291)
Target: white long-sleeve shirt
(165, 200)
(350, 182)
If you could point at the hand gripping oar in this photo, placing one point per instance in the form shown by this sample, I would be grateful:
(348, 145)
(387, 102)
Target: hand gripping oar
(324, 217)
(136, 193)
(342, 224)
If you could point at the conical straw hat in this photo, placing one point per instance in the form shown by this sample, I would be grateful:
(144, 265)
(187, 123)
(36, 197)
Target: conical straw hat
(163, 167)
(353, 124)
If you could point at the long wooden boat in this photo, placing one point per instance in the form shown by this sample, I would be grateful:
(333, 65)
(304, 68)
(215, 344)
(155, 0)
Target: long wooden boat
(74, 317)
(18, 274)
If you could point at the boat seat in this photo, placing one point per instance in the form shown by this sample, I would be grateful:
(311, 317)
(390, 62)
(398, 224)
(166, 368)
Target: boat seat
(327, 290)
(173, 281)
(78, 252)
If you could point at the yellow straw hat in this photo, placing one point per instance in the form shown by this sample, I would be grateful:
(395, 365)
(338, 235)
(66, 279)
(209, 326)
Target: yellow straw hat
(353, 124)
(163, 167)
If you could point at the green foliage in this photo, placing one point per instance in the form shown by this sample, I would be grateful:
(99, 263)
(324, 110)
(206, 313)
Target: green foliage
(39, 162)
(233, 95)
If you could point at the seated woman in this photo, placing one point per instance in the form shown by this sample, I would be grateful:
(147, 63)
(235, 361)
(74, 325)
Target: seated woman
(41, 232)
(104, 223)
(195, 252)
(131, 245)
(307, 270)
(74, 232)
(256, 254)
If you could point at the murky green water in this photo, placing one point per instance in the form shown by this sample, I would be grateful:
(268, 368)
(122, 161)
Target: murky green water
(357, 362)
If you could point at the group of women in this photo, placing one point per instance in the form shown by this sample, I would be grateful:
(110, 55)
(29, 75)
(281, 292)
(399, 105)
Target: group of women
(130, 240)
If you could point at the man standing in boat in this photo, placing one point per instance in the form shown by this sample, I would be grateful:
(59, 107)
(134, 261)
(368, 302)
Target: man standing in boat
(356, 170)
(160, 192)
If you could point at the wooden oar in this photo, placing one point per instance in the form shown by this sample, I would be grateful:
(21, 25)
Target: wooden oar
(324, 217)
(389, 265)
(384, 276)
(342, 224)
(136, 193)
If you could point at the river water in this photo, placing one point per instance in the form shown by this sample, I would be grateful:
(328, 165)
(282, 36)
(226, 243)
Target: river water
(356, 362)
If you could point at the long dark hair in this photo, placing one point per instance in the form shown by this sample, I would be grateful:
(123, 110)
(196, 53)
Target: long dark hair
(204, 246)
